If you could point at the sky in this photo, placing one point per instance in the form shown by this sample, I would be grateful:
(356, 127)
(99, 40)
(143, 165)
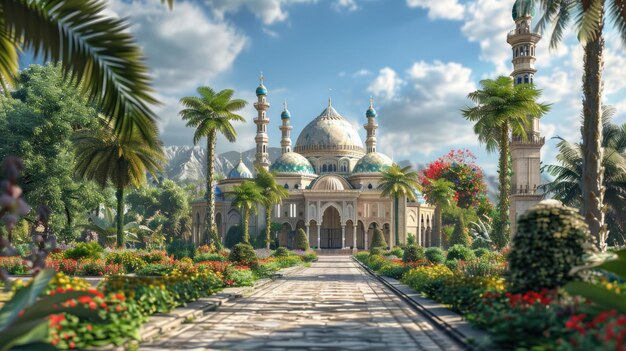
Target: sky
(418, 59)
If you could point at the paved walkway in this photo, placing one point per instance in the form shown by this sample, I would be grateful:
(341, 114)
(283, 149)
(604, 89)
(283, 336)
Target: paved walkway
(332, 305)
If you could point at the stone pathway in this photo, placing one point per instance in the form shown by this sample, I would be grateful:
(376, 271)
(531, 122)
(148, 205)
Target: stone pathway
(332, 305)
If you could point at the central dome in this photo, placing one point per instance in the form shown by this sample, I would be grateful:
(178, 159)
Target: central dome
(329, 132)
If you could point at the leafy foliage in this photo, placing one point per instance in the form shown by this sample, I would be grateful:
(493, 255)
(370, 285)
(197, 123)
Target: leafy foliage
(233, 236)
(244, 254)
(84, 250)
(413, 253)
(378, 239)
(246, 196)
(302, 241)
(460, 252)
(281, 252)
(459, 235)
(399, 183)
(435, 255)
(180, 249)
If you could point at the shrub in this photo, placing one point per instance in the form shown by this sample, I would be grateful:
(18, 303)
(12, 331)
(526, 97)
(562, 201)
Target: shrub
(410, 240)
(131, 261)
(482, 268)
(435, 255)
(244, 254)
(375, 262)
(302, 242)
(155, 256)
(548, 244)
(453, 265)
(393, 269)
(155, 270)
(240, 276)
(309, 256)
(91, 250)
(180, 248)
(98, 268)
(481, 252)
(209, 257)
(378, 239)
(377, 250)
(281, 252)
(460, 236)
(397, 251)
(425, 279)
(234, 236)
(288, 261)
(461, 253)
(14, 265)
(362, 256)
(413, 253)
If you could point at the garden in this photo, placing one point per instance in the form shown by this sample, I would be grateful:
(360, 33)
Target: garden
(548, 290)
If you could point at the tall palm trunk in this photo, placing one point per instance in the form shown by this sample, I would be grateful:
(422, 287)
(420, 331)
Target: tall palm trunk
(268, 226)
(505, 184)
(439, 234)
(119, 194)
(593, 173)
(244, 223)
(209, 230)
(395, 210)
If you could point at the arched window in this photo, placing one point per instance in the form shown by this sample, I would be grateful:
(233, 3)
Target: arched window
(286, 186)
(526, 79)
(519, 80)
(325, 168)
(297, 186)
(334, 168)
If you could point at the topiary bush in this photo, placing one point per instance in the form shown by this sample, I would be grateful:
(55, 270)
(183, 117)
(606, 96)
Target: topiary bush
(180, 248)
(397, 251)
(461, 253)
(378, 239)
(377, 251)
(435, 255)
(410, 239)
(244, 254)
(460, 235)
(481, 252)
(234, 236)
(281, 252)
(548, 244)
(91, 250)
(302, 241)
(413, 253)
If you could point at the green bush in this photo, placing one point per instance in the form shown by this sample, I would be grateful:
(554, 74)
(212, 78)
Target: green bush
(410, 240)
(288, 261)
(461, 253)
(362, 256)
(209, 257)
(377, 251)
(375, 262)
(413, 253)
(130, 260)
(378, 239)
(302, 241)
(281, 252)
(393, 270)
(244, 254)
(234, 236)
(240, 277)
(548, 244)
(481, 252)
(459, 235)
(91, 250)
(155, 270)
(435, 255)
(453, 265)
(180, 248)
(397, 251)
(309, 256)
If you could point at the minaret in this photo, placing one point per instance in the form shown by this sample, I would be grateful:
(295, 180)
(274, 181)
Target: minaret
(285, 128)
(370, 127)
(262, 158)
(525, 154)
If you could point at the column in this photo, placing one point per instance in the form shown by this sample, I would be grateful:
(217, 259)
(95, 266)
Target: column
(354, 236)
(319, 237)
(308, 236)
(365, 239)
(343, 236)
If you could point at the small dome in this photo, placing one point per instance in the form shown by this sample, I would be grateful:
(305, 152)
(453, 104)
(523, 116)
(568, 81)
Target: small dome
(373, 162)
(261, 90)
(285, 114)
(240, 171)
(329, 183)
(370, 112)
(293, 163)
(523, 8)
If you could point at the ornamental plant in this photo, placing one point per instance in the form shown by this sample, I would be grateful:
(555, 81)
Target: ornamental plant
(91, 250)
(244, 254)
(378, 239)
(549, 242)
(413, 253)
(302, 241)
(435, 255)
(460, 252)
(605, 331)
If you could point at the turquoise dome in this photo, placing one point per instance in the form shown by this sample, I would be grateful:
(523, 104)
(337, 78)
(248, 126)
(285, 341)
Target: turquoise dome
(523, 8)
(261, 90)
(370, 112)
(373, 162)
(291, 162)
(240, 171)
(285, 114)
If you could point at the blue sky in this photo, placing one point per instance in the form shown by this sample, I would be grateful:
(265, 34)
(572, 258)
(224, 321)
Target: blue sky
(417, 58)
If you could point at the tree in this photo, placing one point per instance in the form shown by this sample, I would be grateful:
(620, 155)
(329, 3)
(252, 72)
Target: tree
(272, 193)
(440, 193)
(246, 196)
(567, 188)
(503, 108)
(211, 113)
(96, 51)
(460, 235)
(105, 157)
(105, 227)
(589, 26)
(399, 182)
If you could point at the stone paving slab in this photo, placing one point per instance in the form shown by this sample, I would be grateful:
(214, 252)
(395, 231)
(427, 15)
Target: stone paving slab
(332, 305)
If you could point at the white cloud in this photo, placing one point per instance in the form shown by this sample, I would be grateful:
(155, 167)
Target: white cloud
(440, 9)
(386, 84)
(268, 11)
(361, 73)
(345, 5)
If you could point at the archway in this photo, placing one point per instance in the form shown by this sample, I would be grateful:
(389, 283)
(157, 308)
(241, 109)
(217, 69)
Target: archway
(330, 233)
(284, 235)
(370, 233)
(360, 235)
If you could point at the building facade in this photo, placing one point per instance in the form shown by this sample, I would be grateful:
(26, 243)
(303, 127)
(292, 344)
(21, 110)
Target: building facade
(332, 180)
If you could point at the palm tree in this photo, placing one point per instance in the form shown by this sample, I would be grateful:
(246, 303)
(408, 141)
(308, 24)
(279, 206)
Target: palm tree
(589, 19)
(95, 50)
(567, 186)
(399, 182)
(106, 227)
(211, 113)
(272, 194)
(246, 196)
(503, 108)
(439, 192)
(105, 157)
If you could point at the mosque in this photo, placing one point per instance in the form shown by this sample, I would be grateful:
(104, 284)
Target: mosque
(333, 180)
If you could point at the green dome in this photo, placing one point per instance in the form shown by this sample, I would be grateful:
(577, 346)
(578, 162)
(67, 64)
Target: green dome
(523, 8)
(294, 163)
(373, 162)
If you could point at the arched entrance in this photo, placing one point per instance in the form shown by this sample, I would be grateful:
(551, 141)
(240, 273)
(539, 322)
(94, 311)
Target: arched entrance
(330, 233)
(350, 234)
(360, 235)
(387, 233)
(284, 235)
(313, 234)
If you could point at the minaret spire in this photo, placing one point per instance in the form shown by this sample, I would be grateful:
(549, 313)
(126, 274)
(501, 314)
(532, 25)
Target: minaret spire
(370, 128)
(285, 128)
(262, 158)
(525, 154)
